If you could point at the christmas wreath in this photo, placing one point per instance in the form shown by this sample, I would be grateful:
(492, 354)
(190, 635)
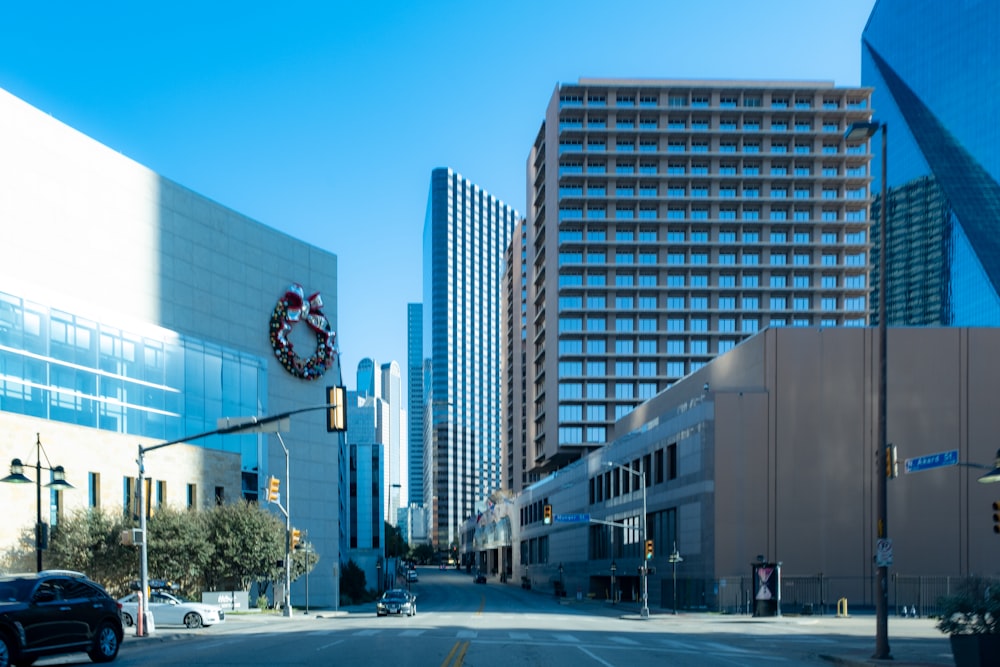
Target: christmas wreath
(290, 309)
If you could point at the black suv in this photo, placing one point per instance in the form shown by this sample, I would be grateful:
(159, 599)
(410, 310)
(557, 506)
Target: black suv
(55, 612)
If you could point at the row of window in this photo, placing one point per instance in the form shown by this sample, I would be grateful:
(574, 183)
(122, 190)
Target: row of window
(694, 257)
(596, 167)
(725, 124)
(707, 99)
(725, 235)
(745, 212)
(747, 280)
(725, 302)
(680, 167)
(680, 145)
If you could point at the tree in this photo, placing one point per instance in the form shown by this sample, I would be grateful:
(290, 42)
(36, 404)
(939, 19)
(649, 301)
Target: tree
(423, 553)
(395, 544)
(353, 584)
(180, 550)
(90, 540)
(248, 542)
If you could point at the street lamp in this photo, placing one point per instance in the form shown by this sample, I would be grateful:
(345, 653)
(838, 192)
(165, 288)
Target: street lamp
(675, 557)
(857, 132)
(58, 482)
(992, 475)
(644, 612)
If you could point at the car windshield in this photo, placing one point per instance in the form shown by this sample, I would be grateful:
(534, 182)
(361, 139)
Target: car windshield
(396, 596)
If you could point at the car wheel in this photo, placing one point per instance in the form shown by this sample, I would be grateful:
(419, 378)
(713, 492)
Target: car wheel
(193, 620)
(127, 620)
(106, 644)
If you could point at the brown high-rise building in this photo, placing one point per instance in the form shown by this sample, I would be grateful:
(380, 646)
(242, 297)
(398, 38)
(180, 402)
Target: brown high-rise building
(667, 222)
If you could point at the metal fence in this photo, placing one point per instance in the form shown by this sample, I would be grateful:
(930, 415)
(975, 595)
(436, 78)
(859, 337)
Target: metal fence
(909, 595)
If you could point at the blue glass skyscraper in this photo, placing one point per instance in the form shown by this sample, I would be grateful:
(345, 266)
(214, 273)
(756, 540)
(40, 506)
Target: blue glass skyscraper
(466, 233)
(935, 68)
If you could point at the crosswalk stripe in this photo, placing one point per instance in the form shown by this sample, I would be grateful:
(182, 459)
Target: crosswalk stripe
(625, 640)
(565, 638)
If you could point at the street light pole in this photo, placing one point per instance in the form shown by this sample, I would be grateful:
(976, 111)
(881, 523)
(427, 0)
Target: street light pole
(644, 570)
(269, 424)
(858, 132)
(59, 482)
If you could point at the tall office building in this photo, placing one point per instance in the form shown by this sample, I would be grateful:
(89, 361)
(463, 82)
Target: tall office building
(380, 393)
(396, 463)
(517, 426)
(670, 220)
(935, 68)
(415, 401)
(466, 233)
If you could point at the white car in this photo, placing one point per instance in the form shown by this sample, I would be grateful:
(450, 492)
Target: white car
(169, 609)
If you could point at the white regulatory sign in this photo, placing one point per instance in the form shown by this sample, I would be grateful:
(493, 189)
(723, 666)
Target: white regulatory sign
(883, 552)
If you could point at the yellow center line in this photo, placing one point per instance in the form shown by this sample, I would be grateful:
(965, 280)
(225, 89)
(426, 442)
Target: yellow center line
(482, 605)
(459, 646)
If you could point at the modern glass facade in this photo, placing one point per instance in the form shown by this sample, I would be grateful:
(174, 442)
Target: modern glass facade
(935, 68)
(154, 384)
(466, 232)
(415, 400)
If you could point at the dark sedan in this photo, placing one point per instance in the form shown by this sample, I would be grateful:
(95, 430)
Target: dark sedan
(396, 602)
(54, 613)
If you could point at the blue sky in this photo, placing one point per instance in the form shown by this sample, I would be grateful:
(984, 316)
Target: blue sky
(325, 119)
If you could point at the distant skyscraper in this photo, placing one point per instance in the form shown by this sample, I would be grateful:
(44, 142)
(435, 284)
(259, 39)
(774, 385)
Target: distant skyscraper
(396, 472)
(935, 68)
(466, 233)
(670, 220)
(366, 455)
(415, 400)
(368, 378)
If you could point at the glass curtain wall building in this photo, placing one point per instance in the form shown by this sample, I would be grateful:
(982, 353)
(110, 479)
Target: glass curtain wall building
(415, 401)
(670, 220)
(466, 232)
(935, 68)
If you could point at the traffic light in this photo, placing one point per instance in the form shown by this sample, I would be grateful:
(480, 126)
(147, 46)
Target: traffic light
(649, 549)
(336, 413)
(891, 462)
(296, 536)
(996, 517)
(273, 489)
(547, 514)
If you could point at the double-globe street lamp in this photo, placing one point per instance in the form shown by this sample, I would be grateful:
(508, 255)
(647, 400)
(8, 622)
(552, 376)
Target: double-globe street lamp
(58, 482)
(644, 569)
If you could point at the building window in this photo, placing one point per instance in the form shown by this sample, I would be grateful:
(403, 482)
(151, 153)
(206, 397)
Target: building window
(192, 496)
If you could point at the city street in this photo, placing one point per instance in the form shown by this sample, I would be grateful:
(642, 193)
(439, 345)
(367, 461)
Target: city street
(461, 623)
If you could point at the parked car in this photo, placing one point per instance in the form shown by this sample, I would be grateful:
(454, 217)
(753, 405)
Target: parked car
(411, 576)
(56, 612)
(396, 601)
(169, 609)
(480, 577)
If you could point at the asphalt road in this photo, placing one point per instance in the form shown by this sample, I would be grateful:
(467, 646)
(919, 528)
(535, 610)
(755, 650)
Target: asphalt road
(460, 623)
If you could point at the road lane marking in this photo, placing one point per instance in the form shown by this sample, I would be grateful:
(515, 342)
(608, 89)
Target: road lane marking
(595, 658)
(565, 638)
(366, 633)
(625, 641)
(412, 633)
(467, 634)
(519, 636)
(326, 646)
(458, 653)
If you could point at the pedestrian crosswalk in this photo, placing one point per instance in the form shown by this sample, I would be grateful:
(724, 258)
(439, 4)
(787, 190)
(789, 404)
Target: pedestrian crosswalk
(543, 637)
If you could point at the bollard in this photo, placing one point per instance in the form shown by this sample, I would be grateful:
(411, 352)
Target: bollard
(842, 608)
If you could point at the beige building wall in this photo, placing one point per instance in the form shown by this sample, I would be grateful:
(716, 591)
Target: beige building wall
(776, 457)
(111, 457)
